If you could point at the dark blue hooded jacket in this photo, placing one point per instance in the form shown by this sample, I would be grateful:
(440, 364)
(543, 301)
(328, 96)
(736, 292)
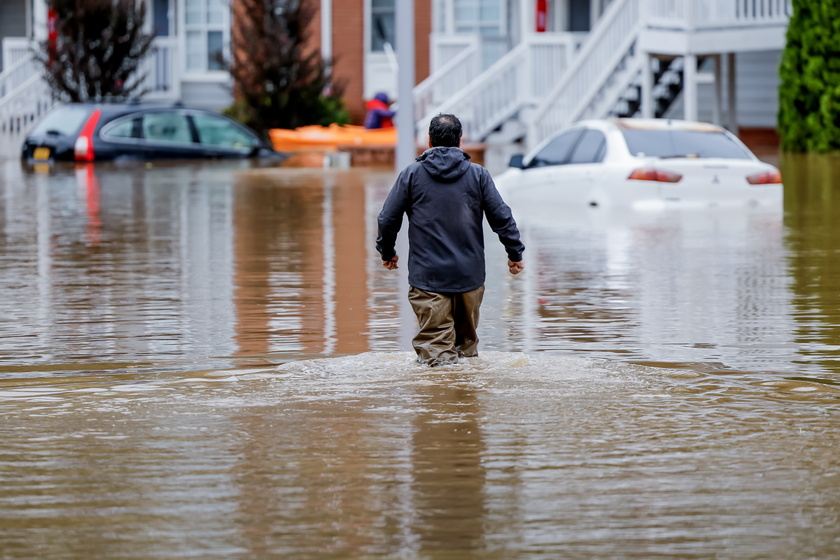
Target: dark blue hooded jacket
(446, 197)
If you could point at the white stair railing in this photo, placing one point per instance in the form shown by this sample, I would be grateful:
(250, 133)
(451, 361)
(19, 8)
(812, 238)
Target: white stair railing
(446, 82)
(506, 87)
(714, 14)
(24, 96)
(15, 49)
(608, 62)
(16, 74)
(607, 46)
(162, 76)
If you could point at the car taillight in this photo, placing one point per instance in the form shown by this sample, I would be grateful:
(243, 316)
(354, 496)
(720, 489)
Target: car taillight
(651, 174)
(765, 178)
(83, 148)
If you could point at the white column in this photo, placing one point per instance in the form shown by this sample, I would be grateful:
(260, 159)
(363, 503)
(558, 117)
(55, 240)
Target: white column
(39, 20)
(648, 110)
(326, 29)
(527, 13)
(718, 85)
(731, 116)
(406, 145)
(690, 87)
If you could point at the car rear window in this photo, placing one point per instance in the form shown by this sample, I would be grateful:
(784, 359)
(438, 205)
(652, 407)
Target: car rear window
(681, 143)
(65, 120)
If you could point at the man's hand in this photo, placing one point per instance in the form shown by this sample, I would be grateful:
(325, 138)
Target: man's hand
(392, 264)
(515, 267)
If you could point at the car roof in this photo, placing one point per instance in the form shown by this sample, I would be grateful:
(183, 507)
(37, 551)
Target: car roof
(665, 124)
(121, 108)
(633, 123)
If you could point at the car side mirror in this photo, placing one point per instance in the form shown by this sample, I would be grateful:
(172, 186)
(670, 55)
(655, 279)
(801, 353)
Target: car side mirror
(517, 161)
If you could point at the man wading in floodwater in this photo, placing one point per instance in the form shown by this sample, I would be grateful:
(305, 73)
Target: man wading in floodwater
(446, 198)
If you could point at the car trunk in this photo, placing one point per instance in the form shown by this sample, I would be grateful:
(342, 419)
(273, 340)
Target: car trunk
(715, 179)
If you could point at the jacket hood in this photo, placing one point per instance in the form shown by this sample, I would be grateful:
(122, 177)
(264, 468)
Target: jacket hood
(444, 163)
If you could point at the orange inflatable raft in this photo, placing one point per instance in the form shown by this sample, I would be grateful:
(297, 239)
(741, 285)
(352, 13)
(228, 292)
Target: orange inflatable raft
(330, 138)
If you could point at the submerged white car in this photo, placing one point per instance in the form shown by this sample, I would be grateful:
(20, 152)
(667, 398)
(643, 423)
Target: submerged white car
(643, 164)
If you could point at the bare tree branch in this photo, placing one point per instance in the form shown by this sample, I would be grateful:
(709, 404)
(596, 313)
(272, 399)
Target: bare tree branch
(100, 47)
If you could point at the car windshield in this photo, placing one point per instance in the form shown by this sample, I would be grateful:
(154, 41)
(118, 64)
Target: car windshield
(682, 143)
(65, 120)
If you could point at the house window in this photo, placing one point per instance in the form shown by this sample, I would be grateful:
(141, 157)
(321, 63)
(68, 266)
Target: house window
(206, 25)
(479, 16)
(160, 17)
(383, 24)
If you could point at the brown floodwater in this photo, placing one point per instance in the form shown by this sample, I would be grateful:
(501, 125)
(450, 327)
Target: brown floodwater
(207, 361)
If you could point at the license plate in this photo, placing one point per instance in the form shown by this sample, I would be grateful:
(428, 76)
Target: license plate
(41, 153)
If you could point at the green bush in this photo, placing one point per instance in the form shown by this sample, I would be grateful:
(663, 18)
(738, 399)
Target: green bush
(809, 93)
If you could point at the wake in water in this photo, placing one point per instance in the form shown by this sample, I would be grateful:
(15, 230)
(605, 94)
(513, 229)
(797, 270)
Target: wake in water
(384, 375)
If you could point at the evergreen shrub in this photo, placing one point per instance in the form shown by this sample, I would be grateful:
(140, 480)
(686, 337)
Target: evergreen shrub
(809, 92)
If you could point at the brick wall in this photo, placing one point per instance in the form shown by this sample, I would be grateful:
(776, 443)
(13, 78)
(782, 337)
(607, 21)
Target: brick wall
(348, 33)
(422, 31)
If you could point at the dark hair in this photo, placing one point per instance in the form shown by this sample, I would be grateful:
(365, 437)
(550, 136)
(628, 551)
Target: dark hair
(445, 130)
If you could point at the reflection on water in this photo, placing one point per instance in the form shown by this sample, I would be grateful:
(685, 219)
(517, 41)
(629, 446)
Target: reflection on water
(813, 241)
(368, 456)
(207, 360)
(206, 266)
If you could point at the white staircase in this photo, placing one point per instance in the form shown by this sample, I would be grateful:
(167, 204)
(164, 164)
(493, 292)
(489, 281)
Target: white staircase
(24, 95)
(484, 101)
(547, 82)
(603, 69)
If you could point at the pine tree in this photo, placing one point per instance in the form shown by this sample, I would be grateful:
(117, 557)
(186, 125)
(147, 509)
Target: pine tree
(809, 93)
(279, 82)
(100, 46)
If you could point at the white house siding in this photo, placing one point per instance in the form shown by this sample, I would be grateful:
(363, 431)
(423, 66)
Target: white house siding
(12, 21)
(757, 85)
(206, 95)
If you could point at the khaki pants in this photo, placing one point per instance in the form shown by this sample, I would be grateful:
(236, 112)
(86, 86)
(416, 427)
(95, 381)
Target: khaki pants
(448, 325)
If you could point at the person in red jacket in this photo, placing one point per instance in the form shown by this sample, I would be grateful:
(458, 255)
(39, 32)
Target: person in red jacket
(379, 113)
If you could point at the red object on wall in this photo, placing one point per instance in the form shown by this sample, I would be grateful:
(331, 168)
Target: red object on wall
(542, 15)
(52, 32)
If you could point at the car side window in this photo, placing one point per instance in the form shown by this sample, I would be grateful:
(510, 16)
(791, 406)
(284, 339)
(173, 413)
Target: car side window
(557, 151)
(590, 148)
(123, 129)
(166, 128)
(221, 133)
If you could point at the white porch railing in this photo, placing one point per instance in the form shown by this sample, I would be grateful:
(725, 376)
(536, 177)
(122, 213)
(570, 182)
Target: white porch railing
(606, 46)
(17, 73)
(161, 70)
(454, 75)
(445, 47)
(714, 14)
(15, 49)
(608, 61)
(24, 95)
(21, 109)
(518, 79)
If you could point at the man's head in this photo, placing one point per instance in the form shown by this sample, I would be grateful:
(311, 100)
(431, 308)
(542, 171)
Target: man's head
(445, 131)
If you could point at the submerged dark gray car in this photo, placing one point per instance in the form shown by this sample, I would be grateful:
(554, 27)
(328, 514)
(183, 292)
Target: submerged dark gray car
(94, 132)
